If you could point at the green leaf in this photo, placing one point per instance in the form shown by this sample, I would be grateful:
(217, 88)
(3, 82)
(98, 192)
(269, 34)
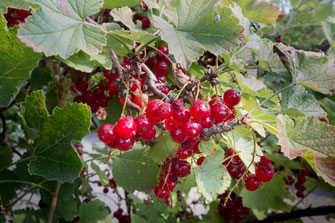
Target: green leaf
(16, 63)
(114, 111)
(33, 110)
(54, 156)
(212, 177)
(190, 33)
(59, 28)
(109, 4)
(297, 97)
(325, 167)
(149, 213)
(207, 146)
(28, 216)
(124, 15)
(243, 141)
(67, 208)
(313, 70)
(94, 211)
(329, 30)
(39, 78)
(80, 61)
(306, 133)
(7, 190)
(271, 195)
(140, 170)
(6, 155)
(165, 146)
(258, 11)
(281, 160)
(102, 176)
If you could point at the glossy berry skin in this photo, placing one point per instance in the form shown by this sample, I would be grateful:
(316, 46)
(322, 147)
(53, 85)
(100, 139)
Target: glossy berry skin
(177, 104)
(112, 88)
(265, 174)
(200, 110)
(169, 184)
(146, 23)
(200, 160)
(105, 190)
(192, 129)
(161, 192)
(195, 148)
(126, 127)
(266, 162)
(164, 50)
(149, 134)
(143, 124)
(232, 171)
(164, 111)
(183, 168)
(207, 122)
(106, 133)
(177, 134)
(219, 112)
(152, 108)
(252, 183)
(232, 114)
(183, 153)
(124, 144)
(170, 124)
(232, 97)
(181, 116)
(162, 68)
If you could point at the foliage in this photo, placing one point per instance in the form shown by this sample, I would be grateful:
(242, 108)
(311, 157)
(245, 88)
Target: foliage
(71, 68)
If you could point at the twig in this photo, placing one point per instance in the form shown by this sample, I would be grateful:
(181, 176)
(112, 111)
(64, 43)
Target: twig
(26, 182)
(17, 162)
(54, 202)
(308, 212)
(151, 80)
(303, 198)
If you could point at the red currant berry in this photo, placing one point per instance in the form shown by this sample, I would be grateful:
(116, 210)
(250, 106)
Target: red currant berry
(300, 186)
(252, 183)
(161, 68)
(178, 135)
(192, 129)
(300, 194)
(150, 134)
(183, 168)
(146, 23)
(219, 112)
(106, 133)
(137, 16)
(105, 190)
(200, 109)
(232, 171)
(266, 162)
(110, 76)
(126, 127)
(207, 122)
(231, 97)
(183, 153)
(86, 200)
(265, 174)
(301, 179)
(164, 50)
(164, 111)
(153, 107)
(170, 124)
(177, 104)
(167, 200)
(161, 192)
(289, 180)
(195, 148)
(124, 144)
(200, 160)
(232, 114)
(143, 124)
(112, 88)
(169, 184)
(181, 116)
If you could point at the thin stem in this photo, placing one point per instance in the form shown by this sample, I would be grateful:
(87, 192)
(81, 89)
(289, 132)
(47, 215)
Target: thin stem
(145, 45)
(166, 56)
(125, 100)
(19, 198)
(269, 98)
(303, 198)
(98, 158)
(54, 202)
(26, 182)
(17, 162)
(181, 90)
(270, 113)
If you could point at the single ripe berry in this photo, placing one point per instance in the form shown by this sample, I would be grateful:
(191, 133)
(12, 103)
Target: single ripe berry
(164, 111)
(232, 171)
(161, 68)
(289, 180)
(110, 76)
(161, 191)
(177, 104)
(200, 160)
(143, 124)
(192, 129)
(170, 124)
(265, 174)
(181, 115)
(195, 148)
(149, 134)
(164, 50)
(231, 97)
(167, 200)
(112, 88)
(105, 190)
(177, 134)
(169, 184)
(146, 23)
(126, 127)
(183, 153)
(232, 114)
(106, 133)
(183, 168)
(152, 108)
(252, 183)
(137, 16)
(207, 122)
(200, 110)
(124, 144)
(220, 112)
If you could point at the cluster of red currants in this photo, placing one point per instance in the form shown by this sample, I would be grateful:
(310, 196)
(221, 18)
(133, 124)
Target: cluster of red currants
(16, 16)
(171, 170)
(235, 166)
(301, 179)
(264, 173)
(94, 98)
(118, 214)
(233, 211)
(146, 23)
